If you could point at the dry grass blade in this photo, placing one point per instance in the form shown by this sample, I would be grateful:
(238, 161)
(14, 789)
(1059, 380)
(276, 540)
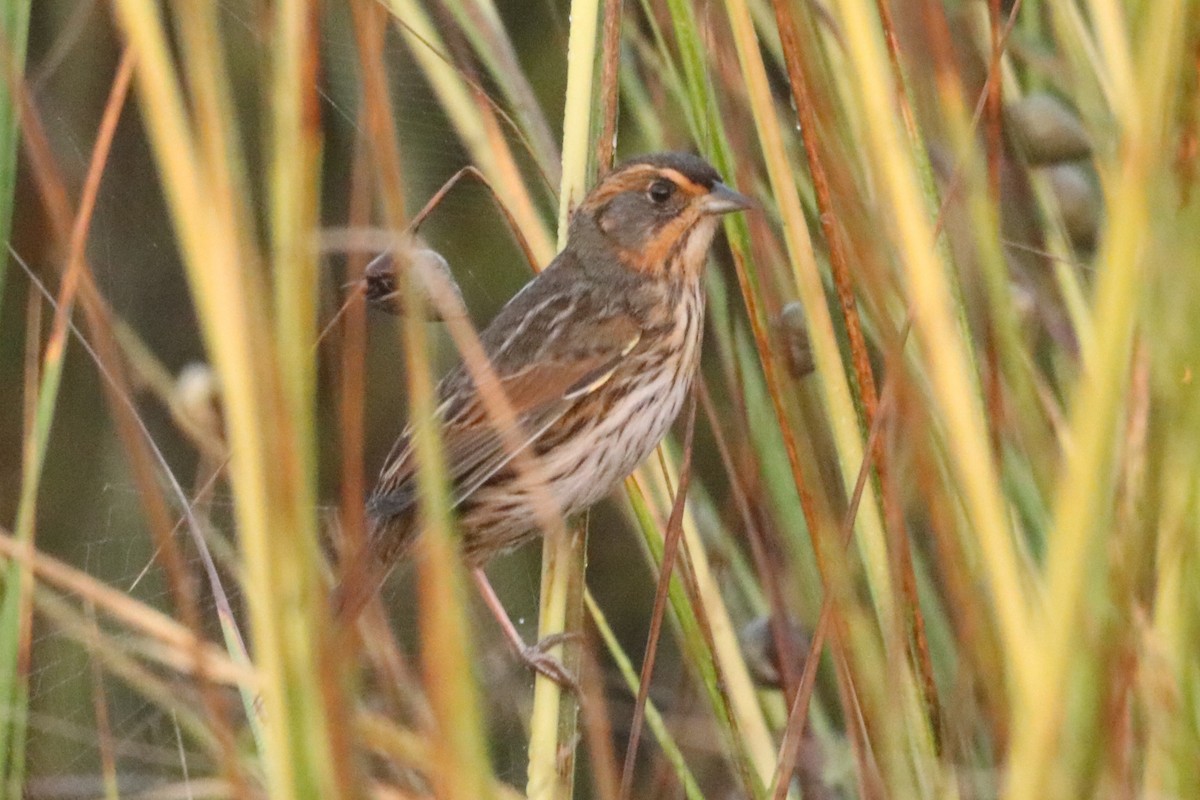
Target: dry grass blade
(670, 550)
(14, 32)
(140, 447)
(794, 730)
(610, 49)
(160, 627)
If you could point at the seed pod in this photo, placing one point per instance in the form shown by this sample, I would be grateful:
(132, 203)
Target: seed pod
(1046, 130)
(1078, 202)
(434, 286)
(196, 407)
(797, 352)
(762, 656)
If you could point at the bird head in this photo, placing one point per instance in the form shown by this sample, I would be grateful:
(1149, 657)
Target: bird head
(660, 212)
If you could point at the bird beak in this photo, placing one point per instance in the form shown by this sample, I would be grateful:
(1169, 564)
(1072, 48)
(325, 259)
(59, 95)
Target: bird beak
(722, 200)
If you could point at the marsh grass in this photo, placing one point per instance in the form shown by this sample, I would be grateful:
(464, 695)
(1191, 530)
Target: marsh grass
(981, 505)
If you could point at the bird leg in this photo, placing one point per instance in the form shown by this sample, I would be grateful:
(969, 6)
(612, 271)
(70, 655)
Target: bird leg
(536, 657)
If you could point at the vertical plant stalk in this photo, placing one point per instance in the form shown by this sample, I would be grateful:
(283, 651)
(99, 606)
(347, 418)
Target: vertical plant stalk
(460, 769)
(14, 29)
(16, 616)
(72, 227)
(609, 86)
(840, 267)
(670, 553)
(352, 380)
(554, 718)
(104, 737)
(577, 111)
(940, 336)
(203, 178)
(294, 184)
(838, 402)
(1142, 104)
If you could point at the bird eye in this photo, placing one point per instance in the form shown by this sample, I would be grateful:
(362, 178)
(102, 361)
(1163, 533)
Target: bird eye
(661, 191)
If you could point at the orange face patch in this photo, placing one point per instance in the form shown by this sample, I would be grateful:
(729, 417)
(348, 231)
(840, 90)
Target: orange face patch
(652, 257)
(638, 179)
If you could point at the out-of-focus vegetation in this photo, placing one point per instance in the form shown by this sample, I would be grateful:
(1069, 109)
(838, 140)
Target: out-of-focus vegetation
(943, 522)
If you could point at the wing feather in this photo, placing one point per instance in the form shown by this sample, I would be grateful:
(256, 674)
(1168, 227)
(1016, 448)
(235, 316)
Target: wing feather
(540, 393)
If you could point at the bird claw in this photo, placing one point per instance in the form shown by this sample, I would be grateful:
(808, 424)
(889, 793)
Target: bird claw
(538, 659)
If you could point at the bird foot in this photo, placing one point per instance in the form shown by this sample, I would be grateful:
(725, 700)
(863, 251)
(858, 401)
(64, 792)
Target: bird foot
(537, 657)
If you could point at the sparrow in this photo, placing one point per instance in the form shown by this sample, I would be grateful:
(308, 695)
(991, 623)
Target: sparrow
(595, 355)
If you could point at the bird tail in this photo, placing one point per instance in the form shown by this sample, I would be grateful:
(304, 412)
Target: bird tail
(364, 570)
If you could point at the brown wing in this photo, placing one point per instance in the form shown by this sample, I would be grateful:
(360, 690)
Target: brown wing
(540, 393)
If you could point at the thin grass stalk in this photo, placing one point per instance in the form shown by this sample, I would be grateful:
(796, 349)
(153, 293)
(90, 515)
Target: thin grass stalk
(708, 634)
(1116, 62)
(481, 22)
(940, 336)
(839, 403)
(1167, 679)
(143, 454)
(989, 215)
(14, 30)
(16, 615)
(839, 265)
(610, 50)
(461, 756)
(352, 377)
(496, 162)
(219, 153)
(1145, 99)
(42, 394)
(202, 177)
(582, 47)
(554, 718)
(294, 178)
(654, 719)
(460, 768)
(1166, 684)
(597, 724)
(670, 553)
(104, 737)
(294, 215)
